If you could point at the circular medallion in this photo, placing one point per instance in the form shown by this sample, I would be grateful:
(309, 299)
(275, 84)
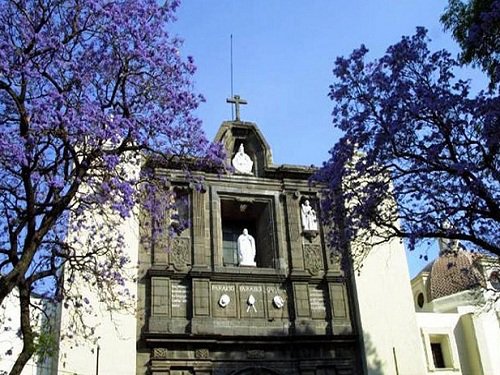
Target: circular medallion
(278, 302)
(224, 300)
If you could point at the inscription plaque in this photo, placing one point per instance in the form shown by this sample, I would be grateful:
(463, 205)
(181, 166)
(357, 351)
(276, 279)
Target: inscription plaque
(180, 297)
(317, 302)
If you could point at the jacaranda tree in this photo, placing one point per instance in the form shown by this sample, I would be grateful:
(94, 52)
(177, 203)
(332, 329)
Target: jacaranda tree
(419, 158)
(88, 90)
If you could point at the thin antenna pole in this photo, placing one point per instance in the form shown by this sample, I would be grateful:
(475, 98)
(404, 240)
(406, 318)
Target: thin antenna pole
(97, 360)
(232, 110)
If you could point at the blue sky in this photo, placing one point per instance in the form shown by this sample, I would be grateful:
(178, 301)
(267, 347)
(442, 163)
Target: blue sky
(283, 55)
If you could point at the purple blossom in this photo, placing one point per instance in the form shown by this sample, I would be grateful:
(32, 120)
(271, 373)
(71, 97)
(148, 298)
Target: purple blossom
(88, 94)
(417, 150)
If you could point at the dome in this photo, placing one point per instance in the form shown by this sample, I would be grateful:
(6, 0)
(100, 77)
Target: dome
(453, 272)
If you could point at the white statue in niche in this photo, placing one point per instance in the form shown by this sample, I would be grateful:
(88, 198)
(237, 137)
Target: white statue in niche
(246, 249)
(242, 162)
(308, 215)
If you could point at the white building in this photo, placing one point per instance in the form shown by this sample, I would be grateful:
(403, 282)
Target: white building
(457, 307)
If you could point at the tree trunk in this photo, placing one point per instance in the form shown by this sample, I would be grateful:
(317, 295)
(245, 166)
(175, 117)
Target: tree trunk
(26, 330)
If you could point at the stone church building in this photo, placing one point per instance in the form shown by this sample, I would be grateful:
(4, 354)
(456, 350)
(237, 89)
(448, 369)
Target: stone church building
(250, 286)
(286, 309)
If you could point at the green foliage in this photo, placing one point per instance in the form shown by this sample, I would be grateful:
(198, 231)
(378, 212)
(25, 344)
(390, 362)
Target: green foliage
(475, 25)
(46, 344)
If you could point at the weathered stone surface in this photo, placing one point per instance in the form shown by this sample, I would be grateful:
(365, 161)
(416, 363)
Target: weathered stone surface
(206, 315)
(312, 258)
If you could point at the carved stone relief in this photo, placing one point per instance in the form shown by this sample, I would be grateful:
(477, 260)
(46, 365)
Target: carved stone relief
(201, 353)
(181, 254)
(312, 258)
(160, 353)
(335, 259)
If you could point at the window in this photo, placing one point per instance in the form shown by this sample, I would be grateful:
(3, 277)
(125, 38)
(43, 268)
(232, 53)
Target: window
(255, 215)
(437, 355)
(420, 300)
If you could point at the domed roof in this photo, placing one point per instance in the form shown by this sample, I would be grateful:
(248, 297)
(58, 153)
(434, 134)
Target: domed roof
(454, 271)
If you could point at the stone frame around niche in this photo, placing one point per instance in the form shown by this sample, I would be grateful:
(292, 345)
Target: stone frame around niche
(228, 200)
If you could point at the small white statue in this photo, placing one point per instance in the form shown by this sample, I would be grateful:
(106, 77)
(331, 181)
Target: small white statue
(242, 162)
(246, 249)
(308, 215)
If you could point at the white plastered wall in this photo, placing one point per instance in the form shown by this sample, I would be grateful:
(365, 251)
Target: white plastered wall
(116, 331)
(387, 315)
(487, 332)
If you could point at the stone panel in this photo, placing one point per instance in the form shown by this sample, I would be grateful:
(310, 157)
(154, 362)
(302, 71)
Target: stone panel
(220, 307)
(301, 294)
(199, 228)
(274, 311)
(251, 301)
(160, 241)
(339, 305)
(292, 207)
(201, 298)
(159, 300)
(340, 309)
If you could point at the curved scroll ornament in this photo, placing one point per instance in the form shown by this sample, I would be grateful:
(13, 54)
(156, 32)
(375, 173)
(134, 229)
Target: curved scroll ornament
(312, 258)
(180, 256)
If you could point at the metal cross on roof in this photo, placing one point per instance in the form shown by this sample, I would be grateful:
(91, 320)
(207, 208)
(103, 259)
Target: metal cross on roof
(236, 100)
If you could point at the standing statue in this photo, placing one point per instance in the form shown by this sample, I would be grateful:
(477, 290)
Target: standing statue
(242, 162)
(308, 215)
(246, 249)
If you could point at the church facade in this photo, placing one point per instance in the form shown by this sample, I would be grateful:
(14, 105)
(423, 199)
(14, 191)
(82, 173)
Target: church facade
(250, 287)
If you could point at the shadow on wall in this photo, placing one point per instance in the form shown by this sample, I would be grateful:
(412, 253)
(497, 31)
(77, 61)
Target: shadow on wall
(373, 362)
